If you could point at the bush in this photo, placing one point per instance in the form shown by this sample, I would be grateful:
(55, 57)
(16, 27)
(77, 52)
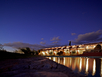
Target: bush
(27, 50)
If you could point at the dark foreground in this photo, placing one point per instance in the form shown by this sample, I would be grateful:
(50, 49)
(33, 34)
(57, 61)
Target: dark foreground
(20, 65)
(34, 67)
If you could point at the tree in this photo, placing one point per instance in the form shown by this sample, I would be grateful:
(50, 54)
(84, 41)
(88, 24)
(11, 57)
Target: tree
(1, 47)
(26, 50)
(69, 43)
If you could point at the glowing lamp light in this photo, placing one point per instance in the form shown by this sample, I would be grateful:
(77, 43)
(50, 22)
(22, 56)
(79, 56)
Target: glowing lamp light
(54, 59)
(87, 65)
(87, 47)
(64, 61)
(46, 52)
(55, 52)
(78, 50)
(43, 53)
(94, 46)
(94, 67)
(79, 45)
(64, 51)
(80, 64)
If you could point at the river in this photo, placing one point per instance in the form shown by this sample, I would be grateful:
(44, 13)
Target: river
(92, 67)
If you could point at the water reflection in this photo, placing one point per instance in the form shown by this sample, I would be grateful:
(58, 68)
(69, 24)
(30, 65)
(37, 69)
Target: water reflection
(101, 68)
(86, 71)
(86, 66)
(94, 68)
(80, 65)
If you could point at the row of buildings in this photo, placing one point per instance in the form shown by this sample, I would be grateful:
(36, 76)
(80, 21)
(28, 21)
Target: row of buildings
(71, 50)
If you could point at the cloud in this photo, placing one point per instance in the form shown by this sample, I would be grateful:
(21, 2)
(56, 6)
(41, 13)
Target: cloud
(53, 45)
(55, 39)
(73, 33)
(17, 45)
(22, 45)
(89, 37)
(42, 42)
(42, 38)
(55, 42)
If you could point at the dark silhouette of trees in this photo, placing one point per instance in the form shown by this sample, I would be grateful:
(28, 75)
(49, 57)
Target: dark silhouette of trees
(27, 50)
(69, 43)
(1, 47)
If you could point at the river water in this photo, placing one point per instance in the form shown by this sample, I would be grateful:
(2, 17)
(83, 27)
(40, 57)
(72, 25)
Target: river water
(92, 67)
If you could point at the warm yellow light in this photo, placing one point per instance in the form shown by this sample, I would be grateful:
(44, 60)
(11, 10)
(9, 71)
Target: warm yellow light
(80, 64)
(67, 47)
(49, 57)
(87, 66)
(55, 52)
(78, 50)
(73, 46)
(101, 68)
(94, 46)
(54, 59)
(43, 53)
(64, 61)
(87, 47)
(70, 61)
(79, 45)
(58, 60)
(65, 51)
(94, 67)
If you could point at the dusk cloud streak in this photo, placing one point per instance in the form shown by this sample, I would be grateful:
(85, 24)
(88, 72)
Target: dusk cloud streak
(73, 33)
(89, 37)
(23, 45)
(55, 40)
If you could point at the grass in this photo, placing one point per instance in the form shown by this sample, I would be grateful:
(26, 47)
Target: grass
(8, 55)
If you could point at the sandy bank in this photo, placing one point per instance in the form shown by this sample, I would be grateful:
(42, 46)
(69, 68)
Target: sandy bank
(34, 67)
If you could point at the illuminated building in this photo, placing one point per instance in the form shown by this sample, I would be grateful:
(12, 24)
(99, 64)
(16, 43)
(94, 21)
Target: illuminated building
(70, 50)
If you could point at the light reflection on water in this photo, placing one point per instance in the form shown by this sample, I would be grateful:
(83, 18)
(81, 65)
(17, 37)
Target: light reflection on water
(86, 66)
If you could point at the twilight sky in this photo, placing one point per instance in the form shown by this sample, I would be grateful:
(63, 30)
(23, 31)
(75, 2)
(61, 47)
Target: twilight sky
(45, 23)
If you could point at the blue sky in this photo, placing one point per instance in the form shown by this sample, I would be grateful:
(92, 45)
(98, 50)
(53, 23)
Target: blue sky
(45, 23)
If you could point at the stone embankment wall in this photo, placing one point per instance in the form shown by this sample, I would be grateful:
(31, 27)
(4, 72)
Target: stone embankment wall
(34, 67)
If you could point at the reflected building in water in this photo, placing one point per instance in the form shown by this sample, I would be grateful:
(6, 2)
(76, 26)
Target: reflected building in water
(86, 66)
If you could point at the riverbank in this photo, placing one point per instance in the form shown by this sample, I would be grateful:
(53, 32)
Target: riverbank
(34, 67)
